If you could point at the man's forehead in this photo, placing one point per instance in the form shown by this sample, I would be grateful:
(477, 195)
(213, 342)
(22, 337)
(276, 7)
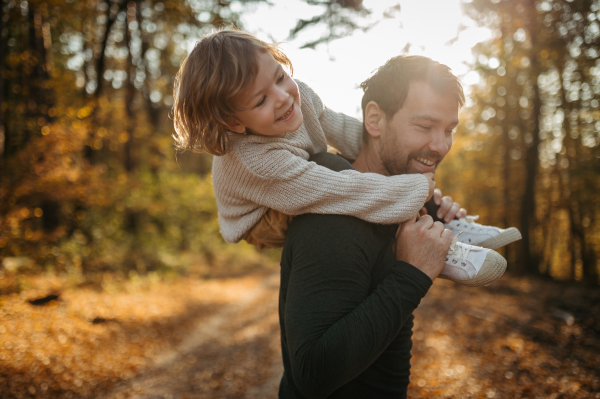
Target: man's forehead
(423, 102)
(423, 116)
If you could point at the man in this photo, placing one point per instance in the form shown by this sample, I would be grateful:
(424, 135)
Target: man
(349, 287)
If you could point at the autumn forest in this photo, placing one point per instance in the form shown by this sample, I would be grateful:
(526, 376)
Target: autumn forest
(95, 199)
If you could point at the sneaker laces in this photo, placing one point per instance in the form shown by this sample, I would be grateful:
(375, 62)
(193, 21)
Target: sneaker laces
(470, 223)
(472, 219)
(459, 251)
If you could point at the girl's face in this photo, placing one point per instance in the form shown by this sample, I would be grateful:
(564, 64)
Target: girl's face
(271, 105)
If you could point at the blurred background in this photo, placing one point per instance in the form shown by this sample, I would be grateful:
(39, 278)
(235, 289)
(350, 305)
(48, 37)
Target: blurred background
(110, 252)
(90, 181)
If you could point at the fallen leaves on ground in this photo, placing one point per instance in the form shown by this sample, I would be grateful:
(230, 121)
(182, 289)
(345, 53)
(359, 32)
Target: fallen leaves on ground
(83, 343)
(516, 338)
(219, 338)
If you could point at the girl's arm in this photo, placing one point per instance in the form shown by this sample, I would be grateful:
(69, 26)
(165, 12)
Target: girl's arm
(343, 132)
(286, 182)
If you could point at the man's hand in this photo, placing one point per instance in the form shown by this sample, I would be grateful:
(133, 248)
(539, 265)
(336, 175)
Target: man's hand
(448, 209)
(424, 244)
(431, 181)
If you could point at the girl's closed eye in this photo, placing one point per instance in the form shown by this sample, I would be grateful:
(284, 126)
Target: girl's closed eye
(280, 79)
(261, 102)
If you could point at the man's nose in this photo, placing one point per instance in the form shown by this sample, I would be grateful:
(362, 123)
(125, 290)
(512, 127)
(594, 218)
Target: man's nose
(440, 142)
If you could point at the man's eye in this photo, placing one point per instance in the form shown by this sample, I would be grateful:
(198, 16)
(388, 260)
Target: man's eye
(424, 127)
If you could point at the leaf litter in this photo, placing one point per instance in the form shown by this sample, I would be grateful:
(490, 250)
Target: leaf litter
(219, 338)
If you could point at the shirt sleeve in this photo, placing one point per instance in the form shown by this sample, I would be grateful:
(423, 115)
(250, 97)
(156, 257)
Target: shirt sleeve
(336, 324)
(292, 185)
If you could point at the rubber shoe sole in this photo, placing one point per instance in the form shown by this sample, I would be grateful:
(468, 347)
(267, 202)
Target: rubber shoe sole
(492, 269)
(508, 236)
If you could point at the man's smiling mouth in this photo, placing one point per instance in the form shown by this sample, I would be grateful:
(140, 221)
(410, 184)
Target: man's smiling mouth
(425, 161)
(289, 111)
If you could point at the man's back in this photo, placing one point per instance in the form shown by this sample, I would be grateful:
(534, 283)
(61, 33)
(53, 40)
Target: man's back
(345, 310)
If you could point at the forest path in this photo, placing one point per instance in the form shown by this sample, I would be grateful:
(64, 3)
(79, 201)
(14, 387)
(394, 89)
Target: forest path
(232, 353)
(213, 338)
(511, 339)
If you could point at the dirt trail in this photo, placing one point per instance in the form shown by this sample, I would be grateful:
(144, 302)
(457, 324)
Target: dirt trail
(508, 340)
(219, 338)
(233, 353)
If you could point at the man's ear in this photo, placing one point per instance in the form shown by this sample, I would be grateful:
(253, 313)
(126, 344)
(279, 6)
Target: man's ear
(374, 119)
(235, 126)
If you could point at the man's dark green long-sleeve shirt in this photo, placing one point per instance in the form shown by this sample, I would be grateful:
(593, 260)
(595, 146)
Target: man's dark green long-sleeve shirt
(345, 309)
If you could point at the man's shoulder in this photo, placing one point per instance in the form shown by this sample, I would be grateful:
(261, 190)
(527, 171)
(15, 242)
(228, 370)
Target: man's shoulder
(319, 240)
(329, 222)
(340, 230)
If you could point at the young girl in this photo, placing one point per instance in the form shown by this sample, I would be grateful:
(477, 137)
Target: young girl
(234, 99)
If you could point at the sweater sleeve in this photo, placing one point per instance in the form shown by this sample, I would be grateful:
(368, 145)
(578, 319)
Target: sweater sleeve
(336, 325)
(292, 185)
(343, 132)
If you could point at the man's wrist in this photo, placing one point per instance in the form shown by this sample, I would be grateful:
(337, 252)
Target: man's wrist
(413, 273)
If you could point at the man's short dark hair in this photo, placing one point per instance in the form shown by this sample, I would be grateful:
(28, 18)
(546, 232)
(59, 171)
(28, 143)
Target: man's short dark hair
(388, 87)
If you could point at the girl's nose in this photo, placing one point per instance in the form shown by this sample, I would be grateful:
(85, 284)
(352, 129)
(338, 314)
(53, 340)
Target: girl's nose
(281, 97)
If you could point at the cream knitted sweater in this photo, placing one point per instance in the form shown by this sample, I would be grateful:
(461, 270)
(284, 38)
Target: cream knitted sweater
(262, 172)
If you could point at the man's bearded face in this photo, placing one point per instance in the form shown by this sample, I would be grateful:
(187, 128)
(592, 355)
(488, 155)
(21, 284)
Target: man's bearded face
(419, 135)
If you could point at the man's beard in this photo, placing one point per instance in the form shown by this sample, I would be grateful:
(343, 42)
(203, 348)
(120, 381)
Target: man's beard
(394, 167)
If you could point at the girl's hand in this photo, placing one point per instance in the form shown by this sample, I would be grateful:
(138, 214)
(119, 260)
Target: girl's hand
(443, 209)
(448, 208)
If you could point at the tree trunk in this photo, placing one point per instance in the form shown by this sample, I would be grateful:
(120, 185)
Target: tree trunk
(528, 257)
(584, 250)
(2, 127)
(129, 162)
(150, 107)
(590, 261)
(506, 159)
(52, 215)
(110, 20)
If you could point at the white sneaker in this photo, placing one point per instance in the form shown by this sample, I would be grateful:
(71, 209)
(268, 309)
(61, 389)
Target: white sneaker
(483, 236)
(472, 266)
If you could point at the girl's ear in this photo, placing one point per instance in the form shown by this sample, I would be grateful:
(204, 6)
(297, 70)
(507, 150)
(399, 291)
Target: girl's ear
(374, 119)
(235, 126)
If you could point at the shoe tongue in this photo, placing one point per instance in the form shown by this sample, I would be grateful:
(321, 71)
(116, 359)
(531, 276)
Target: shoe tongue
(475, 255)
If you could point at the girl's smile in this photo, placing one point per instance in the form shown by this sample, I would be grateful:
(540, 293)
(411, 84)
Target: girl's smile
(287, 114)
(271, 105)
